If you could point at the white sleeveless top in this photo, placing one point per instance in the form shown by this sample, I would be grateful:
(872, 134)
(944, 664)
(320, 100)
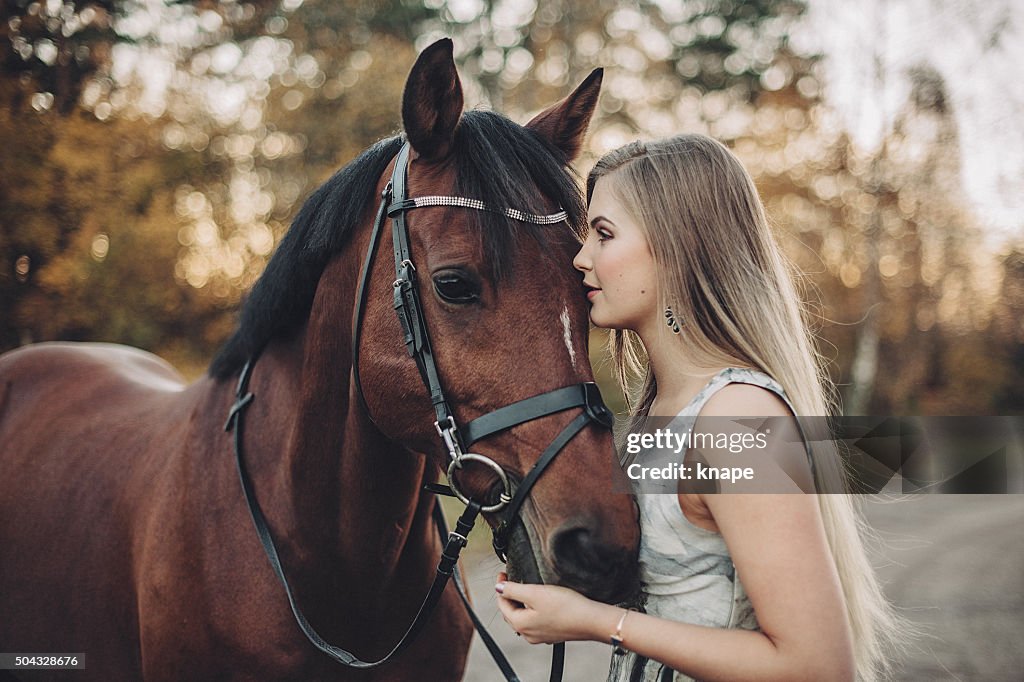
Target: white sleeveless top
(686, 572)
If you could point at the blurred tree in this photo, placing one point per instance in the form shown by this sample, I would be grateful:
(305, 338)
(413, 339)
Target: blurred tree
(138, 214)
(47, 53)
(54, 57)
(886, 238)
(1006, 334)
(49, 50)
(329, 80)
(663, 58)
(113, 277)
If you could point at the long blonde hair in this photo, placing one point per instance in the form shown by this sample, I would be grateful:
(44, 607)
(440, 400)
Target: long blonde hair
(733, 292)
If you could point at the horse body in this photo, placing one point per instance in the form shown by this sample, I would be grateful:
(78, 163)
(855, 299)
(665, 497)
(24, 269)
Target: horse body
(72, 502)
(144, 584)
(123, 527)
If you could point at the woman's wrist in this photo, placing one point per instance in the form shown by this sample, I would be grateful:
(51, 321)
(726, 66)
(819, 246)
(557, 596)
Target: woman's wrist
(605, 623)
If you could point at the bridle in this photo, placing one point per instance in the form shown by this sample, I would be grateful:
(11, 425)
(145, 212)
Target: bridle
(408, 306)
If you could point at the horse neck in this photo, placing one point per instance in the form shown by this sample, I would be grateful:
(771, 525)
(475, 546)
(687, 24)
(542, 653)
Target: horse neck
(349, 498)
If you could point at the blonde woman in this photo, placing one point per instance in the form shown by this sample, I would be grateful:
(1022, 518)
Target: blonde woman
(680, 263)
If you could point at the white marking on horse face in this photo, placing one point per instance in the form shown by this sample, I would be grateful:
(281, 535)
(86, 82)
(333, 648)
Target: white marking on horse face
(567, 334)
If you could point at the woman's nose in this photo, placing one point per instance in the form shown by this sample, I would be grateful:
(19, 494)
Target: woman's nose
(581, 261)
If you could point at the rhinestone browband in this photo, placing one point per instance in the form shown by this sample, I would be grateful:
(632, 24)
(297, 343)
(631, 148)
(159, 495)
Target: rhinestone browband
(464, 202)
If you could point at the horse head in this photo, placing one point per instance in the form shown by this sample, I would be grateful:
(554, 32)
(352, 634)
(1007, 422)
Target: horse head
(502, 312)
(506, 320)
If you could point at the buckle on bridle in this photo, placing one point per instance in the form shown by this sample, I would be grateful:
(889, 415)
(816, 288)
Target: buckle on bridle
(403, 280)
(450, 435)
(455, 536)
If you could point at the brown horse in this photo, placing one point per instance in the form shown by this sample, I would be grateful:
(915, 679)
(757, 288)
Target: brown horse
(123, 528)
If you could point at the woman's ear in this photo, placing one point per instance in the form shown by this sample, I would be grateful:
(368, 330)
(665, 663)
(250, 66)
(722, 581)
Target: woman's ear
(432, 102)
(564, 125)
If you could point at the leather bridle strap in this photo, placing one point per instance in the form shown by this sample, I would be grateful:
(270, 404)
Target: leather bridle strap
(514, 214)
(578, 395)
(447, 566)
(511, 512)
(581, 395)
(409, 310)
(485, 636)
(406, 300)
(357, 317)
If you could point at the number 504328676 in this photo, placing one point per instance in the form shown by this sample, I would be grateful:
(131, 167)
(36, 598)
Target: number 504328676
(41, 661)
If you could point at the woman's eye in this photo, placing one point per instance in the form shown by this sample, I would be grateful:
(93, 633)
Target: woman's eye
(456, 288)
(602, 234)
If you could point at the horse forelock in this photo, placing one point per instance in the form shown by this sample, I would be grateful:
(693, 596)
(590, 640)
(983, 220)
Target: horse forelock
(494, 160)
(508, 166)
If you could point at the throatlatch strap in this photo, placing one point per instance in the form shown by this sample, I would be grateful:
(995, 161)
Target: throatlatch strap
(357, 317)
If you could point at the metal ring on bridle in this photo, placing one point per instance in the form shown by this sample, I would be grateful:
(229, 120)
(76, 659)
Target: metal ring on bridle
(505, 497)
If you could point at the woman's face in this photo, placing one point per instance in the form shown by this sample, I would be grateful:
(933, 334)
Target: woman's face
(619, 272)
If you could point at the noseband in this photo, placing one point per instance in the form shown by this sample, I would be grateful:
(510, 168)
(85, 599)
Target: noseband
(408, 306)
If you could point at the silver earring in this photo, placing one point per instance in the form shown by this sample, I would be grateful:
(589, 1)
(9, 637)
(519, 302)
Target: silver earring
(671, 321)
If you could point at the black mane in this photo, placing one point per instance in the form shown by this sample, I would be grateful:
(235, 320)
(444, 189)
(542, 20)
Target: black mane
(495, 161)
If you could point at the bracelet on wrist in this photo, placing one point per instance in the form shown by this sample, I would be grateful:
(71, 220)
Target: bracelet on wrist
(616, 637)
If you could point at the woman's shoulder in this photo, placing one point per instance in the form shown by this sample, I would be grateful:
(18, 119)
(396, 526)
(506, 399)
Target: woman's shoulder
(745, 399)
(781, 460)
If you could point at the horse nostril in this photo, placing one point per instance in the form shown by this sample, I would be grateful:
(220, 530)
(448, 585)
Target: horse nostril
(577, 553)
(586, 563)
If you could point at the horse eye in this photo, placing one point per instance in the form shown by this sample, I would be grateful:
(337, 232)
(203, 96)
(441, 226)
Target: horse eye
(455, 287)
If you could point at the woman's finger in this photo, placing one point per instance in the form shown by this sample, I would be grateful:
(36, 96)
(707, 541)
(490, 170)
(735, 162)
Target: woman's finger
(516, 592)
(509, 610)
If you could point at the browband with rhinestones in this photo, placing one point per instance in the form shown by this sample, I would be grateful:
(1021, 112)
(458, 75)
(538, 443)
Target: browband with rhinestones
(464, 202)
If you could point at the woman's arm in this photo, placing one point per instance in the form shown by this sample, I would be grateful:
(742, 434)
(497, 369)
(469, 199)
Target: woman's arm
(780, 551)
(781, 554)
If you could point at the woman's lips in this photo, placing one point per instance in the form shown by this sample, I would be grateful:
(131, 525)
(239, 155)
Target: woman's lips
(591, 293)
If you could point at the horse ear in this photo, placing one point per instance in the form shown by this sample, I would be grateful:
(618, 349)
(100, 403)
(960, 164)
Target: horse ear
(432, 103)
(565, 124)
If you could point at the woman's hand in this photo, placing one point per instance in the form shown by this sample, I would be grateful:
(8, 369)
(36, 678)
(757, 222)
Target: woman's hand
(549, 613)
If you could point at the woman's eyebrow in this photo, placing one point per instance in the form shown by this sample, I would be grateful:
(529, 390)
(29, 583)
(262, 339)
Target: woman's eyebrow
(595, 219)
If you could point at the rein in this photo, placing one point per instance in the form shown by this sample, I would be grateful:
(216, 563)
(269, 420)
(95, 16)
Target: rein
(394, 204)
